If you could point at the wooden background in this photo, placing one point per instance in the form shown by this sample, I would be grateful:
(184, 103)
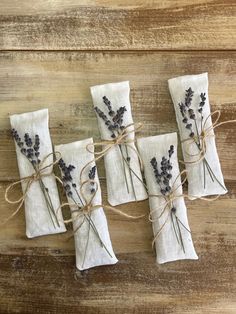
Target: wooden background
(51, 52)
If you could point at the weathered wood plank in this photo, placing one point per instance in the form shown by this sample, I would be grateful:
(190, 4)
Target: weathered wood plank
(207, 221)
(50, 284)
(39, 275)
(12, 235)
(103, 25)
(60, 81)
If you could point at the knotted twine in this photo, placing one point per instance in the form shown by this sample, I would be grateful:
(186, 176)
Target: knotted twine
(120, 139)
(29, 180)
(200, 139)
(169, 199)
(88, 206)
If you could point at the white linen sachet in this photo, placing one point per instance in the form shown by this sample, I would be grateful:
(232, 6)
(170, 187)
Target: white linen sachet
(165, 227)
(204, 176)
(123, 185)
(88, 247)
(39, 219)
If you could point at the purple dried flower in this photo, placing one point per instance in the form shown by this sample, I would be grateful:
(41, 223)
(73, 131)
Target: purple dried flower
(188, 97)
(27, 147)
(191, 114)
(171, 150)
(67, 177)
(203, 99)
(108, 104)
(117, 118)
(102, 115)
(163, 177)
(182, 109)
(92, 173)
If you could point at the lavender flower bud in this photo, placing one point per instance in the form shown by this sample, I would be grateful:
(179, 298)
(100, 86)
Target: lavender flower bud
(188, 97)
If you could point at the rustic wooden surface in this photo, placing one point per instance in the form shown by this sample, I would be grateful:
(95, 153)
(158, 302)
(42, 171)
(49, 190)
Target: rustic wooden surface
(51, 52)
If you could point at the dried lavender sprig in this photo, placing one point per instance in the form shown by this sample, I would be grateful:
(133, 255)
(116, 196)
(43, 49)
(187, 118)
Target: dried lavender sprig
(108, 104)
(188, 100)
(163, 177)
(202, 102)
(68, 183)
(31, 152)
(91, 176)
(188, 97)
(184, 108)
(116, 127)
(200, 110)
(107, 122)
(205, 162)
(26, 146)
(118, 118)
(130, 172)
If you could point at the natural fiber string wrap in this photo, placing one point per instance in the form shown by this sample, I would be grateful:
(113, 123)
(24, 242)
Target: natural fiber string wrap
(169, 199)
(121, 139)
(88, 207)
(29, 180)
(205, 133)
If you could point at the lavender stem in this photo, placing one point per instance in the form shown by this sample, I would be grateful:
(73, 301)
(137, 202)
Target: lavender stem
(130, 174)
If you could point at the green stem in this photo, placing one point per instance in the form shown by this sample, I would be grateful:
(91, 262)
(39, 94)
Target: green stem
(136, 175)
(208, 168)
(126, 182)
(215, 176)
(204, 175)
(180, 235)
(78, 196)
(199, 146)
(86, 247)
(46, 200)
(130, 174)
(91, 222)
(197, 132)
(211, 173)
(183, 224)
(51, 206)
(173, 224)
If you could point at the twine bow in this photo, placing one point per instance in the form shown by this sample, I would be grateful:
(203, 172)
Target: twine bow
(85, 209)
(200, 139)
(88, 206)
(168, 204)
(29, 180)
(109, 144)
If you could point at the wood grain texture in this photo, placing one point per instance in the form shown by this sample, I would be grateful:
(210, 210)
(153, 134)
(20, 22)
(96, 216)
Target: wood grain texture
(60, 81)
(96, 25)
(94, 42)
(39, 275)
(135, 285)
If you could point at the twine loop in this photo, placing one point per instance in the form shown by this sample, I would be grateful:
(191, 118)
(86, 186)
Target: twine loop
(121, 139)
(200, 139)
(88, 206)
(29, 180)
(168, 204)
